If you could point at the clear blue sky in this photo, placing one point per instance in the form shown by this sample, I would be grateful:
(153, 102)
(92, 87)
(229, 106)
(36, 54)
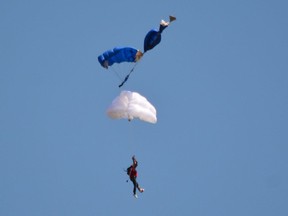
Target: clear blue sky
(219, 82)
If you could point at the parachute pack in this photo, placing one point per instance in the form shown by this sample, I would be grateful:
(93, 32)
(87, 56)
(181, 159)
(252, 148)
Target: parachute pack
(128, 170)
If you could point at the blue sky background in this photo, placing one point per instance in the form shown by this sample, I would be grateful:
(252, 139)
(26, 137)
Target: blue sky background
(219, 82)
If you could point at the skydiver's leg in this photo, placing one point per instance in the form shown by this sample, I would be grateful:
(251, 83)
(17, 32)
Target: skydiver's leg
(135, 184)
(139, 188)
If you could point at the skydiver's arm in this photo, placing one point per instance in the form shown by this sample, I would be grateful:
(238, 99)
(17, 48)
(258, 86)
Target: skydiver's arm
(135, 162)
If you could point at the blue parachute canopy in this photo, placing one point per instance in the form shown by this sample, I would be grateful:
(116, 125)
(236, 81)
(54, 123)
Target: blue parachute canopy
(153, 37)
(119, 55)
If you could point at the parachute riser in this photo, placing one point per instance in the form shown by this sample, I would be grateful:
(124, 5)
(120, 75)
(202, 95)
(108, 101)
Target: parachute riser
(132, 69)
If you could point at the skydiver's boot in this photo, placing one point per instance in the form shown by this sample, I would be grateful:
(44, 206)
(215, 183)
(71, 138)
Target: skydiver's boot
(135, 195)
(141, 189)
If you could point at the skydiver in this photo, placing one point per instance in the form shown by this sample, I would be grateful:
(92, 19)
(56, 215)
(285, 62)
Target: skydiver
(132, 172)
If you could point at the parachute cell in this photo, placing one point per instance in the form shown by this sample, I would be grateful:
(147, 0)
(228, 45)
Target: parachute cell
(119, 55)
(130, 105)
(152, 39)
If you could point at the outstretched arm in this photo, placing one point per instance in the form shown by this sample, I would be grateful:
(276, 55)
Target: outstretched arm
(135, 162)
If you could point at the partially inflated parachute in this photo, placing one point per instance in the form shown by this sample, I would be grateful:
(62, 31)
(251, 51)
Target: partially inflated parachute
(130, 105)
(129, 54)
(153, 37)
(119, 55)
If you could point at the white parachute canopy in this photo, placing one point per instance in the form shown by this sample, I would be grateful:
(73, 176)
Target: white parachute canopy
(130, 105)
